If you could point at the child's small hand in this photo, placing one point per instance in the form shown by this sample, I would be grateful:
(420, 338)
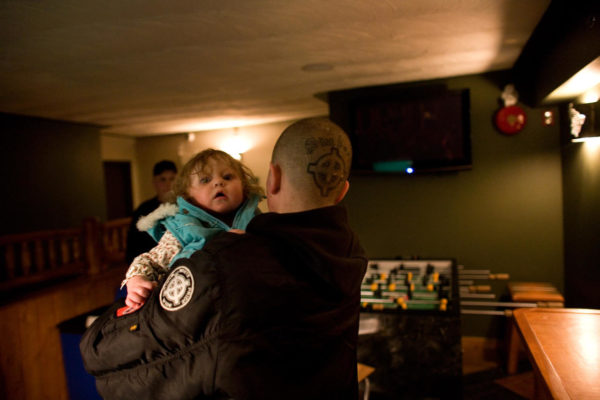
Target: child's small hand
(138, 290)
(238, 231)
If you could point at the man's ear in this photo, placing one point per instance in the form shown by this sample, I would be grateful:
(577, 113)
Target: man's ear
(343, 192)
(274, 179)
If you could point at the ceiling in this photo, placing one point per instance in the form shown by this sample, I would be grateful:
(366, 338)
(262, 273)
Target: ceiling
(144, 68)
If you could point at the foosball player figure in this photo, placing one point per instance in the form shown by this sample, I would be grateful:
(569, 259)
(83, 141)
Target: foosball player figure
(428, 272)
(401, 303)
(377, 293)
(390, 279)
(410, 290)
(443, 304)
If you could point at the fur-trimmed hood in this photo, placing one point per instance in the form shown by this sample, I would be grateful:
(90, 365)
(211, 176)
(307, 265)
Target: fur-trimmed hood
(164, 210)
(191, 225)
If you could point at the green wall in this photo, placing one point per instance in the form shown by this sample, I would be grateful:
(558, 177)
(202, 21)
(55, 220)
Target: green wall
(51, 174)
(505, 214)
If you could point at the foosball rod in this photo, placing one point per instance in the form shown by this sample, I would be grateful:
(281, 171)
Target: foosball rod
(482, 277)
(476, 292)
(479, 274)
(475, 288)
(412, 301)
(478, 295)
(401, 303)
(509, 304)
(506, 313)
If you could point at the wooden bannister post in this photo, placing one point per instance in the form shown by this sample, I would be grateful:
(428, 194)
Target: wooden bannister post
(93, 253)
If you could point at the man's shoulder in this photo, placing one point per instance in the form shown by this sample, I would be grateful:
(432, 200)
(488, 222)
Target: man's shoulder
(231, 250)
(232, 244)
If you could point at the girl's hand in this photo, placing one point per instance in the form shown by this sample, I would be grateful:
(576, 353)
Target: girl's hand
(138, 290)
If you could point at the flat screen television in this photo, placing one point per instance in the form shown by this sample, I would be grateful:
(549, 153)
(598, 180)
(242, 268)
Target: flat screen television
(407, 132)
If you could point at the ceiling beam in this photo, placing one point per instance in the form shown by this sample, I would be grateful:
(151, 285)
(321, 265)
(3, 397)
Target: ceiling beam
(566, 39)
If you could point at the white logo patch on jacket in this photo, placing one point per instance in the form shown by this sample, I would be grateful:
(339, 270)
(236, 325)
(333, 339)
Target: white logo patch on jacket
(177, 290)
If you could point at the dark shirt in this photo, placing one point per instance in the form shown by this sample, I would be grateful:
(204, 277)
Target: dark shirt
(140, 242)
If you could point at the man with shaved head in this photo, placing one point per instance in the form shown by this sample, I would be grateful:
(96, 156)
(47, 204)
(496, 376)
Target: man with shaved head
(311, 160)
(269, 314)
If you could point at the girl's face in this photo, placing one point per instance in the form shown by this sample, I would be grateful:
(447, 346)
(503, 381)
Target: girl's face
(217, 189)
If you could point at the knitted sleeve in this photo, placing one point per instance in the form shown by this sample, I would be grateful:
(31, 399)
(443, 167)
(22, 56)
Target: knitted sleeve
(155, 263)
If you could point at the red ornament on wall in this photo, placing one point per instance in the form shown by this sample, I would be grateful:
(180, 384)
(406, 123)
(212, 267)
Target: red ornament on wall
(510, 120)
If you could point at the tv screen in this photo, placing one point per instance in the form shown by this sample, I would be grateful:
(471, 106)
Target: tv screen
(424, 132)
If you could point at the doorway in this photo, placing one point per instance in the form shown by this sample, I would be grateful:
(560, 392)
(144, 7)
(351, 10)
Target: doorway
(117, 185)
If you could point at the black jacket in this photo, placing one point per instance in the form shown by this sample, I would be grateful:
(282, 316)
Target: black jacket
(271, 314)
(140, 242)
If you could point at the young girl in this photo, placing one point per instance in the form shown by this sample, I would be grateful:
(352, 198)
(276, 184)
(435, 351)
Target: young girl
(215, 193)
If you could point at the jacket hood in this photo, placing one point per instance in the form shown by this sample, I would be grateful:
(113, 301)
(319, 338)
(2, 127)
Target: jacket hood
(320, 239)
(164, 210)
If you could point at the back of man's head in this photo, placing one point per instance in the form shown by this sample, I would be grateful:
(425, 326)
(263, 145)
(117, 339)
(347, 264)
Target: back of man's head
(314, 156)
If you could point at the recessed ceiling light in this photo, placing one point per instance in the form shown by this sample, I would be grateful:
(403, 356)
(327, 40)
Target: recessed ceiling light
(317, 67)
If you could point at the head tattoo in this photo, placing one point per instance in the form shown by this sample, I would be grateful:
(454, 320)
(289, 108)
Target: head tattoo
(328, 171)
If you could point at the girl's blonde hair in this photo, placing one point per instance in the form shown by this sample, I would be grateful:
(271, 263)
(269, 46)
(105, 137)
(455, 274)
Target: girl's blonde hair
(198, 165)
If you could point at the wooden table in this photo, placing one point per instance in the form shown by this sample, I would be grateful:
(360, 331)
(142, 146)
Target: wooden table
(564, 348)
(542, 293)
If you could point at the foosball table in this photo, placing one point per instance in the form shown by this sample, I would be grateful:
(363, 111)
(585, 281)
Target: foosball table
(410, 328)
(408, 285)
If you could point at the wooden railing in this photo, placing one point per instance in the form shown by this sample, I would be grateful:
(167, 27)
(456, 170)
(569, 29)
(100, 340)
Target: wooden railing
(37, 257)
(114, 240)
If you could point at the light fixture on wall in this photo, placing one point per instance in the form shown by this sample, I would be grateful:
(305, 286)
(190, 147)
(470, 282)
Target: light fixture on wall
(236, 144)
(585, 127)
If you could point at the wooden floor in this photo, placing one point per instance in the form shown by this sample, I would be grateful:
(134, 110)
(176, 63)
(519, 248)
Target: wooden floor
(486, 358)
(521, 384)
(31, 362)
